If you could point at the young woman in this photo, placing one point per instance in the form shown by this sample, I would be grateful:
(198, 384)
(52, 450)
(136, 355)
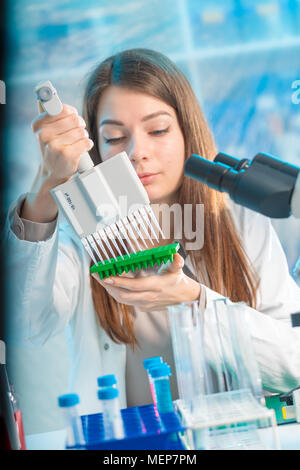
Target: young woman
(138, 101)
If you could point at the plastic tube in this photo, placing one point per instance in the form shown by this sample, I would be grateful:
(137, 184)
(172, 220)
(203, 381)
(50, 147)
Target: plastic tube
(109, 380)
(73, 423)
(112, 418)
(148, 364)
(160, 376)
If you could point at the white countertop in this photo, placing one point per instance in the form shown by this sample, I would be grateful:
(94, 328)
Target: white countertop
(289, 438)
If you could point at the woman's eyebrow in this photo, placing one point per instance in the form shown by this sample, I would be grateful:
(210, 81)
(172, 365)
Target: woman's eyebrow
(145, 118)
(153, 115)
(110, 121)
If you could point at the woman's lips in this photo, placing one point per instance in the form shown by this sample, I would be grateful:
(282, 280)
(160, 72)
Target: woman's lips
(147, 177)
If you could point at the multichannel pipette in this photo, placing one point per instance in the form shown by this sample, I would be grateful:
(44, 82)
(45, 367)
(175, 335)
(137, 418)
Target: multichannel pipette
(103, 203)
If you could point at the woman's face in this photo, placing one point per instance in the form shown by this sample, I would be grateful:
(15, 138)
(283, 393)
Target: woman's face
(147, 129)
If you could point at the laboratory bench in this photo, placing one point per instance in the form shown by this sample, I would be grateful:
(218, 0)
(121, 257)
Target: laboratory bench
(289, 438)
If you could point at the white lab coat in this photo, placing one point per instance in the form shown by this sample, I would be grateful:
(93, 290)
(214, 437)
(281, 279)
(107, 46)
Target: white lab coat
(50, 290)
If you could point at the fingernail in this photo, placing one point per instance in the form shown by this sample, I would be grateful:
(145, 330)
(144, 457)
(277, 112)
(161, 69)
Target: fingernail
(108, 281)
(91, 143)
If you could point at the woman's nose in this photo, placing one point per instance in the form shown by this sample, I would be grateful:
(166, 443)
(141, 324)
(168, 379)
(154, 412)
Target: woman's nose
(137, 150)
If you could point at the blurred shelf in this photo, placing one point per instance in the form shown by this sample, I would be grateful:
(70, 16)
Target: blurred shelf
(238, 49)
(53, 75)
(199, 54)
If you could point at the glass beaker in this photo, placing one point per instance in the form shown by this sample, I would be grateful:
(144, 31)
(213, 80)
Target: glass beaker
(193, 377)
(237, 368)
(212, 350)
(219, 384)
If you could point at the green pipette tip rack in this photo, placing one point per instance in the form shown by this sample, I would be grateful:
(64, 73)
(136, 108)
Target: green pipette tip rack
(142, 259)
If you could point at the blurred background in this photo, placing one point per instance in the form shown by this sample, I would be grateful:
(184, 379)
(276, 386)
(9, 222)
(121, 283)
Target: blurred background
(243, 60)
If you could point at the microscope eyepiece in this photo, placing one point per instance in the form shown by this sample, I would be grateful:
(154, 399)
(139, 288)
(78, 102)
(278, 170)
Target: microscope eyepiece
(264, 184)
(205, 171)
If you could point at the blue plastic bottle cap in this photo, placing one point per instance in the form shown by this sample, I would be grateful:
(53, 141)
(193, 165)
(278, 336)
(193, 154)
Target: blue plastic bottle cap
(108, 393)
(107, 380)
(152, 361)
(69, 399)
(162, 370)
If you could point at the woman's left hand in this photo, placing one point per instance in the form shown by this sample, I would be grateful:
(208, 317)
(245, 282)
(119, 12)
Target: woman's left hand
(154, 292)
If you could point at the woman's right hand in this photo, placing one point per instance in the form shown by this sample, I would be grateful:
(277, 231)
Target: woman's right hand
(62, 139)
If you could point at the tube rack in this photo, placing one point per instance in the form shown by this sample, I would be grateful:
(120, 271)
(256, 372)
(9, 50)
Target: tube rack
(144, 430)
(139, 260)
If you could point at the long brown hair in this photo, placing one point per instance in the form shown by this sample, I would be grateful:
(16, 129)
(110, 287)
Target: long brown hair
(222, 263)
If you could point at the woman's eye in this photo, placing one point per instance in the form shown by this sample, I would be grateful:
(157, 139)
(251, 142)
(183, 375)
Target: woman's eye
(114, 140)
(160, 131)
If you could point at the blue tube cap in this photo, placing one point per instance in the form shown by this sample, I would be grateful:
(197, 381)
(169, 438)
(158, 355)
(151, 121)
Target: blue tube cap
(108, 393)
(162, 370)
(152, 361)
(69, 399)
(107, 380)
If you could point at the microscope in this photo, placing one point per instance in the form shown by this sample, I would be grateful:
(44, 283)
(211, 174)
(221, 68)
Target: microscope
(266, 184)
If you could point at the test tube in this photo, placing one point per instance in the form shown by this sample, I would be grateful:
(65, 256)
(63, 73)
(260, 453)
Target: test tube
(112, 418)
(148, 364)
(68, 403)
(18, 417)
(109, 380)
(160, 376)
